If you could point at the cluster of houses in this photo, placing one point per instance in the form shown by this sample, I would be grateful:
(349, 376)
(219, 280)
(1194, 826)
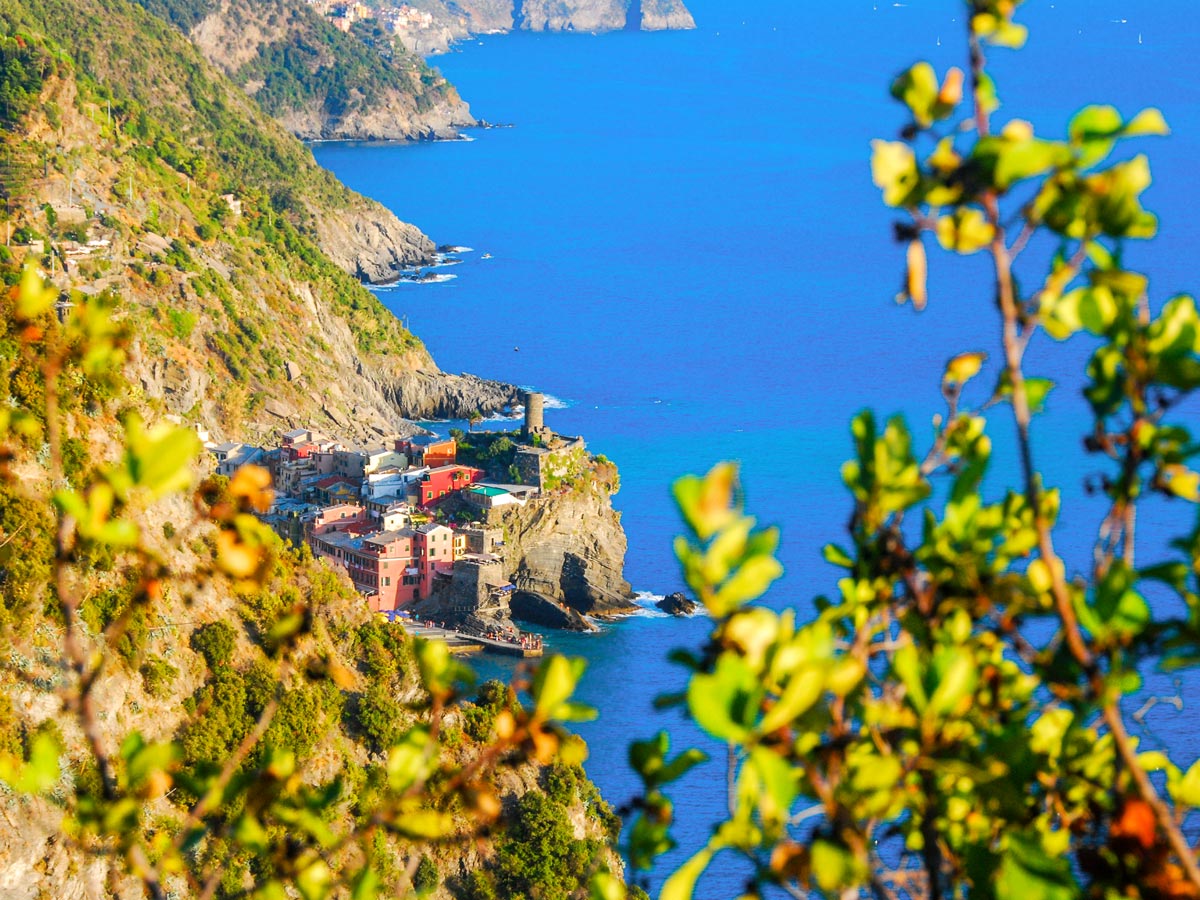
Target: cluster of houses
(395, 18)
(374, 510)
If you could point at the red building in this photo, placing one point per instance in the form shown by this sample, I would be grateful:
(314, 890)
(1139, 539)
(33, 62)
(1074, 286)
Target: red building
(437, 484)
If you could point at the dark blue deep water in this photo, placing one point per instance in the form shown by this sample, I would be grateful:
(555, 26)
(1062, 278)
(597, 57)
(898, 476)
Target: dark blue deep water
(689, 253)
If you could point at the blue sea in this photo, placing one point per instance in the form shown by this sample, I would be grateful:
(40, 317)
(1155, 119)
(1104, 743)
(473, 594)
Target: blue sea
(687, 251)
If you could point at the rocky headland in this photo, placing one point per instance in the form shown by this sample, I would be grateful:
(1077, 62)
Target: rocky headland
(456, 20)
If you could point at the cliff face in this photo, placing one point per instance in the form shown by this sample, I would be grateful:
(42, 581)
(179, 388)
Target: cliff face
(555, 15)
(369, 242)
(454, 20)
(666, 15)
(570, 547)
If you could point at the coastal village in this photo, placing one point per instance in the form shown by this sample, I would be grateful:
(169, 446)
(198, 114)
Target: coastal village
(380, 513)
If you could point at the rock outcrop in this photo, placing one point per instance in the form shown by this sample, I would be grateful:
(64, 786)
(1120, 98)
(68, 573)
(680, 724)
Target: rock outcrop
(555, 15)
(678, 604)
(370, 243)
(570, 547)
(454, 21)
(430, 394)
(538, 609)
(390, 118)
(666, 15)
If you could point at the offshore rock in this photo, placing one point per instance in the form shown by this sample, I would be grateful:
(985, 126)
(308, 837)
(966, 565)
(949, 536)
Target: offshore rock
(678, 604)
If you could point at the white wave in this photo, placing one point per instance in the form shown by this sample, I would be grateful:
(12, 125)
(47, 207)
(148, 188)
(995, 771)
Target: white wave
(549, 401)
(426, 279)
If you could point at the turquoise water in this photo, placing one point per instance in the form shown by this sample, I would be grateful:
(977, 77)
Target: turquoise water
(688, 252)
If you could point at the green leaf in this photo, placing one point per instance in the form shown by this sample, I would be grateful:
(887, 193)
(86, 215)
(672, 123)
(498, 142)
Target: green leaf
(803, 690)
(365, 885)
(835, 555)
(681, 765)
(424, 824)
(554, 683)
(725, 703)
(833, 866)
(1148, 122)
(906, 663)
(957, 681)
(34, 297)
(682, 883)
(42, 772)
(1027, 872)
(917, 88)
(1094, 122)
(408, 759)
(1047, 733)
(1187, 790)
(606, 886)
(159, 459)
(749, 582)
(314, 880)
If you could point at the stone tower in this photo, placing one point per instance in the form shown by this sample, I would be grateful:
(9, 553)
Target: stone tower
(534, 422)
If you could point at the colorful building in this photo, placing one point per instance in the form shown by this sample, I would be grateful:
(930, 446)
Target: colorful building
(437, 484)
(428, 450)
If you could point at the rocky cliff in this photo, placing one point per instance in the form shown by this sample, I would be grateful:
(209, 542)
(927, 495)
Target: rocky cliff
(570, 547)
(454, 20)
(370, 242)
(319, 82)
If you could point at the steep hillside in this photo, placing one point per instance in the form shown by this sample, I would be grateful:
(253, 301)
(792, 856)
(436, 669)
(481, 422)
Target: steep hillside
(318, 81)
(229, 246)
(194, 708)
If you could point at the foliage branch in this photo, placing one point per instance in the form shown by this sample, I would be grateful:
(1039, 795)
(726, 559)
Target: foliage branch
(953, 720)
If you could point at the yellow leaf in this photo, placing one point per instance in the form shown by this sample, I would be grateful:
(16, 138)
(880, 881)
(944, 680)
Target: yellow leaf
(917, 272)
(1183, 482)
(894, 170)
(963, 368)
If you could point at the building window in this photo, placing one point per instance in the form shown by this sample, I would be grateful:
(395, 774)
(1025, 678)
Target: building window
(387, 581)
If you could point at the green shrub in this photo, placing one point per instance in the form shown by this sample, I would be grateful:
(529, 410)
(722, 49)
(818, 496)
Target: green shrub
(215, 642)
(158, 676)
(426, 879)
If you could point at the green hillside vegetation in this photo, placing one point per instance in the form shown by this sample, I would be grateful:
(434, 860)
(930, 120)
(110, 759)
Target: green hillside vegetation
(145, 138)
